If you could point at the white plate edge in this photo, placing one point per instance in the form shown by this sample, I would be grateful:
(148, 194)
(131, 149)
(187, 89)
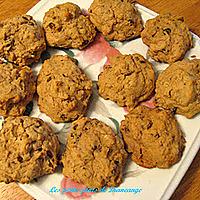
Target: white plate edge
(36, 192)
(189, 157)
(37, 7)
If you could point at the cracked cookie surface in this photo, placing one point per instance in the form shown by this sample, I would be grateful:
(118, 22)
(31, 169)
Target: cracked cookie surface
(128, 80)
(178, 88)
(116, 19)
(21, 40)
(28, 149)
(167, 37)
(153, 137)
(64, 90)
(94, 155)
(66, 26)
(17, 87)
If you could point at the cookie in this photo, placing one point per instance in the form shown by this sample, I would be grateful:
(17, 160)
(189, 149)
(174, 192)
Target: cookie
(167, 37)
(130, 1)
(178, 88)
(28, 149)
(66, 26)
(64, 90)
(94, 155)
(17, 87)
(21, 40)
(153, 137)
(116, 19)
(128, 80)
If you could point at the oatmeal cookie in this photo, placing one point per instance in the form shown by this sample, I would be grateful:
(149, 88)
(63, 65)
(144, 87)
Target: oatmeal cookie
(64, 90)
(94, 155)
(21, 40)
(66, 26)
(116, 19)
(28, 149)
(167, 37)
(178, 88)
(153, 137)
(17, 87)
(128, 80)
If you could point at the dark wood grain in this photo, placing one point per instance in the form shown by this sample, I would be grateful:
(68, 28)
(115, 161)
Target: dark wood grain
(189, 9)
(189, 188)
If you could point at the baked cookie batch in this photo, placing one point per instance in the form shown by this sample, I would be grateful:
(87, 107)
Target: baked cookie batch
(94, 155)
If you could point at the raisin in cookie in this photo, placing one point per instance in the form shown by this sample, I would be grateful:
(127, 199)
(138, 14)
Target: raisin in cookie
(167, 37)
(153, 137)
(66, 26)
(94, 155)
(17, 87)
(178, 87)
(116, 19)
(128, 80)
(64, 90)
(28, 149)
(21, 40)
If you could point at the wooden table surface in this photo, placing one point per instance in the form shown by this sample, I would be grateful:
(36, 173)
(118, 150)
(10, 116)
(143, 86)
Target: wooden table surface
(189, 188)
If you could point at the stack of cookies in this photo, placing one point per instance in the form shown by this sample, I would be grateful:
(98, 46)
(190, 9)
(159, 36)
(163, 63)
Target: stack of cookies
(94, 155)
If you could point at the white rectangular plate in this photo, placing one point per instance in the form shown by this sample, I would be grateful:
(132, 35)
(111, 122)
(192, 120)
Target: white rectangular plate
(154, 183)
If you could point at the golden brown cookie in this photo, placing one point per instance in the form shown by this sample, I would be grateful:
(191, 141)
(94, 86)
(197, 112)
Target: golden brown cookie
(116, 19)
(128, 80)
(130, 1)
(64, 90)
(28, 149)
(178, 87)
(167, 37)
(94, 154)
(21, 40)
(153, 137)
(66, 26)
(17, 87)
